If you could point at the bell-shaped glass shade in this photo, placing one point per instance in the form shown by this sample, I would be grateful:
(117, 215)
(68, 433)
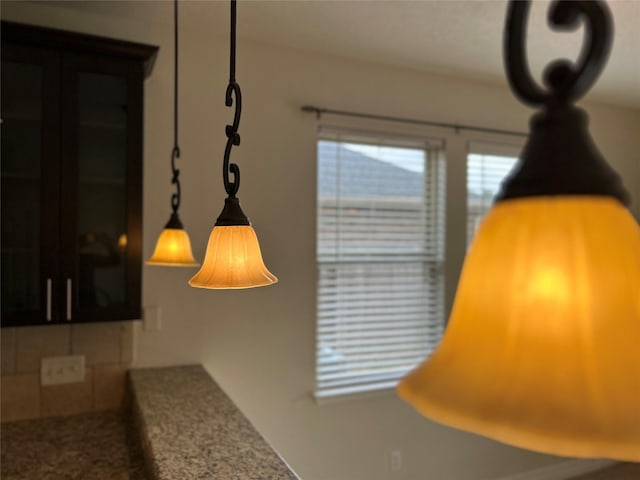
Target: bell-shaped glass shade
(233, 260)
(542, 349)
(173, 249)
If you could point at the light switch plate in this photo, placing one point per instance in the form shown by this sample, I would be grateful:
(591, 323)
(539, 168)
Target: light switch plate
(152, 319)
(59, 370)
(395, 460)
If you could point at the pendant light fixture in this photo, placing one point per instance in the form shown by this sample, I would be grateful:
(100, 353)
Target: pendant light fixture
(173, 248)
(233, 258)
(541, 350)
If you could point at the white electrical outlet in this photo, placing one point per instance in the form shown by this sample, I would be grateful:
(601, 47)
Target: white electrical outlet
(58, 370)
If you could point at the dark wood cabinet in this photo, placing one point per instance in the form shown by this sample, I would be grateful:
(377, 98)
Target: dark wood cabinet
(71, 206)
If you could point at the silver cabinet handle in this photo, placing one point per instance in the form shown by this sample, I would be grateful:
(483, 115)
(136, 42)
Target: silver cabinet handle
(49, 283)
(68, 299)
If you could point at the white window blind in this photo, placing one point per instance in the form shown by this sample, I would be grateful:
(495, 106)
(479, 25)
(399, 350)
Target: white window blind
(380, 252)
(487, 166)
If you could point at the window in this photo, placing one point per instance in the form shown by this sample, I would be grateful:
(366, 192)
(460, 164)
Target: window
(380, 231)
(487, 167)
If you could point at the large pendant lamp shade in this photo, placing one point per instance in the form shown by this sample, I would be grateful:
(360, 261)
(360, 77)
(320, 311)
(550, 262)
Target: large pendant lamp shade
(233, 258)
(173, 248)
(542, 347)
(541, 350)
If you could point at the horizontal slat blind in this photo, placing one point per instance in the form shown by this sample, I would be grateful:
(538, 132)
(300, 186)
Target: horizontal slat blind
(485, 174)
(380, 253)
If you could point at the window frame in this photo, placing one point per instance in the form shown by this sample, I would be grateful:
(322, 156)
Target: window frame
(486, 149)
(435, 195)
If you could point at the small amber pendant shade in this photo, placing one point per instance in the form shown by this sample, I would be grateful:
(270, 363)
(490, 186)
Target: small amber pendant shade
(173, 248)
(542, 349)
(233, 260)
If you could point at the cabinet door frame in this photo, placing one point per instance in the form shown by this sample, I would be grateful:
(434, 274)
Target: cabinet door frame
(50, 64)
(22, 42)
(72, 66)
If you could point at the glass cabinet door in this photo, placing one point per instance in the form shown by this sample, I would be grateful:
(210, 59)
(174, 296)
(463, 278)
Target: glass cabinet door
(102, 179)
(30, 182)
(97, 178)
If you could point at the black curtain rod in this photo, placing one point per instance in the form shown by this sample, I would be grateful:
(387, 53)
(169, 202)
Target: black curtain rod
(319, 111)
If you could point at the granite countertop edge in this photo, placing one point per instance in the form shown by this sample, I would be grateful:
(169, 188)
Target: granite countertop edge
(190, 429)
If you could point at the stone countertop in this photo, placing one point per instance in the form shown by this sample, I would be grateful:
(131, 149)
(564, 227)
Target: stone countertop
(190, 429)
(94, 446)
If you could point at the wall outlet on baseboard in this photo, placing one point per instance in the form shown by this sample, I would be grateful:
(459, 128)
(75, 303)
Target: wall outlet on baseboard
(59, 370)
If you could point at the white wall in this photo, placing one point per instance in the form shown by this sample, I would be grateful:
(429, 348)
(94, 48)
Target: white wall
(259, 343)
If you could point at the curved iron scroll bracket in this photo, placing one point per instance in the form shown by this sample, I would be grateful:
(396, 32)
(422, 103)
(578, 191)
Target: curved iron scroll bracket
(175, 198)
(566, 82)
(232, 214)
(233, 138)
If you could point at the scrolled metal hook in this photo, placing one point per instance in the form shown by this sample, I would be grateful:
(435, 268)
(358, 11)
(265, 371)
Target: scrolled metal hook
(175, 180)
(233, 138)
(566, 82)
(233, 89)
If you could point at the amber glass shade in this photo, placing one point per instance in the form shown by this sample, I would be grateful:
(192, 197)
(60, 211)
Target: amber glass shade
(233, 260)
(173, 249)
(542, 349)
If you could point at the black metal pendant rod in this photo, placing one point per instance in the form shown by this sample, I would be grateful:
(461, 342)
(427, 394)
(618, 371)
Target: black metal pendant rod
(233, 137)
(232, 214)
(175, 153)
(457, 127)
(232, 44)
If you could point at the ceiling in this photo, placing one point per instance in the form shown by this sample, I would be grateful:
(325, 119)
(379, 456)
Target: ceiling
(458, 37)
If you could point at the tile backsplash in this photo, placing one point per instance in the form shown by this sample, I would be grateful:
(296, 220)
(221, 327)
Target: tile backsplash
(108, 351)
